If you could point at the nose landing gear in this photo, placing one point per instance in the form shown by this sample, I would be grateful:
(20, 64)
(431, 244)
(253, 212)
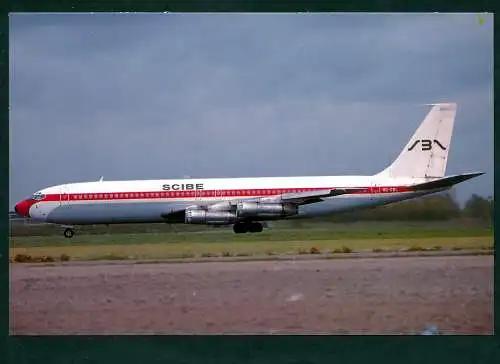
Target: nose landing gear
(68, 233)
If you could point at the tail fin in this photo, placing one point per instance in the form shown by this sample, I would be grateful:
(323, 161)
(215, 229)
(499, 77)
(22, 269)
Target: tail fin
(426, 154)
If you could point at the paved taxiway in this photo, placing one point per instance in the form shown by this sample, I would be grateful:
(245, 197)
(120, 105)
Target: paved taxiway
(382, 295)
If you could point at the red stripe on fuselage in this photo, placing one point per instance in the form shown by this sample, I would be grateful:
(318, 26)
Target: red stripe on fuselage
(229, 193)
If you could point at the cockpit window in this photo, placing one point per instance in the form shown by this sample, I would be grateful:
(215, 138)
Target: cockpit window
(38, 196)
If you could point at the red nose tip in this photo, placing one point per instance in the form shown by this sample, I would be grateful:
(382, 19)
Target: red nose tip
(23, 208)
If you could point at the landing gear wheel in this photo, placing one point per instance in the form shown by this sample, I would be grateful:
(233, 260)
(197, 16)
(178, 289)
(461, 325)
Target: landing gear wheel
(247, 227)
(239, 228)
(68, 233)
(255, 227)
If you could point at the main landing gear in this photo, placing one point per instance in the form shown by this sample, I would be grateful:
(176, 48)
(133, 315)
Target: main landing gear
(68, 233)
(247, 227)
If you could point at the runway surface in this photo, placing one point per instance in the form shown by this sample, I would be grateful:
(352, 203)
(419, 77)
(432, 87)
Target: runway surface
(352, 296)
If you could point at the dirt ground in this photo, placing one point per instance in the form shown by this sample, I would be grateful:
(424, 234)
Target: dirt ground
(352, 296)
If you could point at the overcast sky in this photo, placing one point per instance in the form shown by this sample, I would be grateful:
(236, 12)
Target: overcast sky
(238, 95)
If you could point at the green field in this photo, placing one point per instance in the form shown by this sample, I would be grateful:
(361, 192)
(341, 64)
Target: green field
(315, 232)
(356, 237)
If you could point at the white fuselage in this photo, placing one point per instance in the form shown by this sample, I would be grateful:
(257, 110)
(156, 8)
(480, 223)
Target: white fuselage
(108, 202)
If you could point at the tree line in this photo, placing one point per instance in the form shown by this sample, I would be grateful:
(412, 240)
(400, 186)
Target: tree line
(440, 207)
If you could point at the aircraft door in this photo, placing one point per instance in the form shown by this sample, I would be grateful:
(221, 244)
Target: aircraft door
(375, 189)
(64, 196)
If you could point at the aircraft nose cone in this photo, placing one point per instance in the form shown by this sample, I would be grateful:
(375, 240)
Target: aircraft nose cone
(23, 208)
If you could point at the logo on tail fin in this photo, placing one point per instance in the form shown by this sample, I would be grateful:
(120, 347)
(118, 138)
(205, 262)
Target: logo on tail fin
(426, 144)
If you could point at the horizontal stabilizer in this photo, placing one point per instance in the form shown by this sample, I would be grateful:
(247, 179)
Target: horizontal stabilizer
(446, 182)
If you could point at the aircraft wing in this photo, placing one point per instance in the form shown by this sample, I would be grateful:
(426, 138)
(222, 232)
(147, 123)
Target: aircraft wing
(299, 198)
(303, 198)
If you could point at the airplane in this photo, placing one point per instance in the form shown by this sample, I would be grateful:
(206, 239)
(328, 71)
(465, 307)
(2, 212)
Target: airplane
(247, 203)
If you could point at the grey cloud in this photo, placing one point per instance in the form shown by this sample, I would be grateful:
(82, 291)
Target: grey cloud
(159, 96)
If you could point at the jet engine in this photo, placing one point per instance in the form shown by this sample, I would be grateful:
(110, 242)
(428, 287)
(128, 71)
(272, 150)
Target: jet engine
(208, 217)
(269, 210)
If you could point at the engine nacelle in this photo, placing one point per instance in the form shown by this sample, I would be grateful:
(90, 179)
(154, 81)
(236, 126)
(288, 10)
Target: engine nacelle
(221, 206)
(259, 209)
(207, 217)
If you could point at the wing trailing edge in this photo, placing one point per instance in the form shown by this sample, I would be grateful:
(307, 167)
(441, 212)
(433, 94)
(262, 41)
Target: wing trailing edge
(303, 198)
